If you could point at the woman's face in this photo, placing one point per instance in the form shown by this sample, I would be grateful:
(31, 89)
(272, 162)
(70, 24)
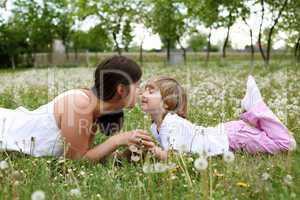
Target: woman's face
(131, 99)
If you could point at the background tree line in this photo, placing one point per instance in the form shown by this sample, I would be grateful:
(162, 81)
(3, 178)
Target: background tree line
(33, 25)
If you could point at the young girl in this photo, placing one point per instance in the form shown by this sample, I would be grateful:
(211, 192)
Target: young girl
(259, 130)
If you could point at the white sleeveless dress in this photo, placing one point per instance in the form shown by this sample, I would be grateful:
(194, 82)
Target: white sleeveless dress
(32, 132)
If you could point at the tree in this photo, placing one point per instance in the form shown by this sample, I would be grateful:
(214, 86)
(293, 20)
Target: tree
(276, 8)
(197, 42)
(65, 20)
(291, 23)
(127, 35)
(167, 20)
(232, 10)
(3, 4)
(204, 12)
(36, 17)
(114, 16)
(12, 43)
(95, 40)
(245, 14)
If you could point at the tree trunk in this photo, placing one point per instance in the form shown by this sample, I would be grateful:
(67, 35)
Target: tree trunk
(168, 49)
(208, 47)
(76, 54)
(251, 41)
(50, 54)
(117, 44)
(272, 30)
(252, 46)
(296, 47)
(126, 48)
(13, 62)
(260, 30)
(141, 53)
(226, 42)
(269, 44)
(297, 50)
(67, 53)
(183, 50)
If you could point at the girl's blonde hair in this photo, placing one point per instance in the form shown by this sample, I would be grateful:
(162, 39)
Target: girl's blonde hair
(173, 94)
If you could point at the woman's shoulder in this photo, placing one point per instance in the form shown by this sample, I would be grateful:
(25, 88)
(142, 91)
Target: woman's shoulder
(73, 92)
(74, 99)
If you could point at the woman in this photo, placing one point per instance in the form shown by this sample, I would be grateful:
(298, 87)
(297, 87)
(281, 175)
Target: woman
(67, 125)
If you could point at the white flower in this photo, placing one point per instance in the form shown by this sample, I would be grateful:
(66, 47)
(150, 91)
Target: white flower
(171, 166)
(160, 167)
(265, 176)
(38, 195)
(288, 179)
(147, 168)
(200, 164)
(210, 114)
(135, 158)
(82, 173)
(228, 156)
(3, 165)
(133, 148)
(293, 145)
(75, 192)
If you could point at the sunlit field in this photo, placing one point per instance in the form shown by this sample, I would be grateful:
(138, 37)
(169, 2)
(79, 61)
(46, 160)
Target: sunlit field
(214, 93)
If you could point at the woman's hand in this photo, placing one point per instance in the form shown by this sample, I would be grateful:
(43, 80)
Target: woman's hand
(136, 137)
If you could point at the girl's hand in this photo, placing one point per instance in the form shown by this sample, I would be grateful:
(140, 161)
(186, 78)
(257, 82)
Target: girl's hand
(159, 153)
(136, 137)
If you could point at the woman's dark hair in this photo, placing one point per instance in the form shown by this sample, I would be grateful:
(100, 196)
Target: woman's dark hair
(112, 72)
(111, 123)
(108, 75)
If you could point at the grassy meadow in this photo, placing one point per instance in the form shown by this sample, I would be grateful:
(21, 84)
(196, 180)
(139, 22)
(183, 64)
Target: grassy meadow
(214, 93)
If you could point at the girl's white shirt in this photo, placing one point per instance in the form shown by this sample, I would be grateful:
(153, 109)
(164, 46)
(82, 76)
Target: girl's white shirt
(32, 132)
(180, 134)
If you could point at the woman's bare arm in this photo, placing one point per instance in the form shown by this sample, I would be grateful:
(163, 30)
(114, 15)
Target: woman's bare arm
(76, 128)
(122, 139)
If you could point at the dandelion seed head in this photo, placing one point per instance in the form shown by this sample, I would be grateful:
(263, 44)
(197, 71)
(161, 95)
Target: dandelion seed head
(147, 168)
(75, 192)
(38, 195)
(265, 176)
(228, 157)
(288, 179)
(160, 167)
(135, 158)
(133, 148)
(4, 165)
(200, 164)
(293, 145)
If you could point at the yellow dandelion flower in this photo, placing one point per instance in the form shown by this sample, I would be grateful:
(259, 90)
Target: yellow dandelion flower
(242, 184)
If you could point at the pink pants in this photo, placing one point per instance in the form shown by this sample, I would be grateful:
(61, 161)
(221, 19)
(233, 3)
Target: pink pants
(267, 134)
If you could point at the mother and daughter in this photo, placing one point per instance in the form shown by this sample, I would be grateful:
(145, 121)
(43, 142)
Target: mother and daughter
(67, 125)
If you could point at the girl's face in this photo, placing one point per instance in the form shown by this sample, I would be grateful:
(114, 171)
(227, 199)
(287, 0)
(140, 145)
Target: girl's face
(151, 99)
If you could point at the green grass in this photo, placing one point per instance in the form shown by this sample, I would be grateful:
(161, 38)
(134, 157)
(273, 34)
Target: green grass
(214, 95)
